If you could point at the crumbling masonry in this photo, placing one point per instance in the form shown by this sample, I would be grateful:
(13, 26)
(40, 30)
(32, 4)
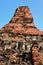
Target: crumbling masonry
(21, 43)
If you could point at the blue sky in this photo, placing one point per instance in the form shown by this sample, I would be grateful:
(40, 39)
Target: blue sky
(8, 7)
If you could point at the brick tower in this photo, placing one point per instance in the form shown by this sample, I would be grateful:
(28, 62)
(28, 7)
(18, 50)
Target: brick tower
(20, 40)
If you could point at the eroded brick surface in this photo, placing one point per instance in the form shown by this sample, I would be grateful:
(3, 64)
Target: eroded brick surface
(21, 43)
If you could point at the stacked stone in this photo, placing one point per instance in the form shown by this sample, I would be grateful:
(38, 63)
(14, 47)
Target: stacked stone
(20, 41)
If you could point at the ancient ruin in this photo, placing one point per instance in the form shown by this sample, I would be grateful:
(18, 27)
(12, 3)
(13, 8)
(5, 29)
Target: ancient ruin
(21, 43)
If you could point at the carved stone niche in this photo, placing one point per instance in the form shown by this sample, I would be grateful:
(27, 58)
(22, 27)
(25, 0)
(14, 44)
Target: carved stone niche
(20, 45)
